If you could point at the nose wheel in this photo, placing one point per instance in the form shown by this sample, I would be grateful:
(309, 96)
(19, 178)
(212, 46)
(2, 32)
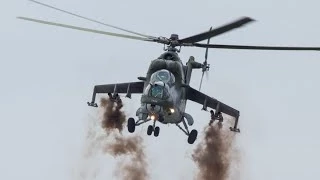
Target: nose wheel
(131, 125)
(155, 130)
(150, 129)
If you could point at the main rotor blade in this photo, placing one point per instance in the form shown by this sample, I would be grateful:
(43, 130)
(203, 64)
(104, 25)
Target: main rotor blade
(217, 31)
(92, 20)
(86, 29)
(222, 46)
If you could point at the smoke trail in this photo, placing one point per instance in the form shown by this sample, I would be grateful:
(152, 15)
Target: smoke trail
(212, 155)
(114, 119)
(136, 167)
(87, 168)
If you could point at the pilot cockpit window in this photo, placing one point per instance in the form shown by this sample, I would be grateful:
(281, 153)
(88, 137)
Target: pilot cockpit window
(164, 76)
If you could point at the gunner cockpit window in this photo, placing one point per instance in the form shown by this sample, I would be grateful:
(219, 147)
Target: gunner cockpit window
(156, 91)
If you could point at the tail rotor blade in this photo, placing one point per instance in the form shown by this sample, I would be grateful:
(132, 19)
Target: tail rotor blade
(201, 81)
(207, 75)
(206, 55)
(205, 63)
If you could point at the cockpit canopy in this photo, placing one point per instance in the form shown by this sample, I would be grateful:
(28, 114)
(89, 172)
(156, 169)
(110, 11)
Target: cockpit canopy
(164, 76)
(158, 90)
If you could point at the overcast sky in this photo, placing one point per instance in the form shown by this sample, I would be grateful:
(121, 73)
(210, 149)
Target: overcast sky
(47, 75)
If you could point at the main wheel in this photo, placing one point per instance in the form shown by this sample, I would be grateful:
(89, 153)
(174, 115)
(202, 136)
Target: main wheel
(192, 136)
(156, 131)
(220, 124)
(131, 125)
(150, 129)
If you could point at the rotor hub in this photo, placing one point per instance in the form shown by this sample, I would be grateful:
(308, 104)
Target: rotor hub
(174, 37)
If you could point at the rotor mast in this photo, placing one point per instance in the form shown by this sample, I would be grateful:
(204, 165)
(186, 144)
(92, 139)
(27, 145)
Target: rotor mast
(173, 42)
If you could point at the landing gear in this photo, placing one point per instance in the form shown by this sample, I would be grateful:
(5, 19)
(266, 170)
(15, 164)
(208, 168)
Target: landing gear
(156, 131)
(192, 136)
(220, 124)
(131, 125)
(150, 129)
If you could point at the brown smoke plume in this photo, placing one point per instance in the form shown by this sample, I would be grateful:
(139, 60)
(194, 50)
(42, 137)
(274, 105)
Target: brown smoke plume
(212, 155)
(136, 168)
(114, 118)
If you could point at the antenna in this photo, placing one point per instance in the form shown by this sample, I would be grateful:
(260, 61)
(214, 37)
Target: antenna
(205, 65)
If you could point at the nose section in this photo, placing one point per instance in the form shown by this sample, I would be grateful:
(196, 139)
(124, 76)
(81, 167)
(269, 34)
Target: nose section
(155, 112)
(152, 108)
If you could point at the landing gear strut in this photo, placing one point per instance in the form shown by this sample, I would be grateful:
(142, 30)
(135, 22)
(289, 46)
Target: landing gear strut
(192, 136)
(132, 124)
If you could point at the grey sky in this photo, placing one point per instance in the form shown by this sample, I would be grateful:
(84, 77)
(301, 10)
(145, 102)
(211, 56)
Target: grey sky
(48, 73)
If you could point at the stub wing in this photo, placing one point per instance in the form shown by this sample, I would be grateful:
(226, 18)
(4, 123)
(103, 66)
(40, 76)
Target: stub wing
(128, 88)
(213, 103)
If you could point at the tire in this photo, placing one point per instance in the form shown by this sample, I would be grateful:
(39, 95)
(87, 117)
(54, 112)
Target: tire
(150, 129)
(156, 131)
(131, 125)
(192, 136)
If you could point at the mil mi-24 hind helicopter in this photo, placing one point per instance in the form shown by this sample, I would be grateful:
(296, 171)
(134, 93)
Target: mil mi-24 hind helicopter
(165, 88)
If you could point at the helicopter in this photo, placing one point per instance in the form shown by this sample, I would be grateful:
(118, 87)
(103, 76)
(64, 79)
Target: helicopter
(165, 89)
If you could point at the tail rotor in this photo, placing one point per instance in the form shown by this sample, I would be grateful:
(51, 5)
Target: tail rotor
(205, 65)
